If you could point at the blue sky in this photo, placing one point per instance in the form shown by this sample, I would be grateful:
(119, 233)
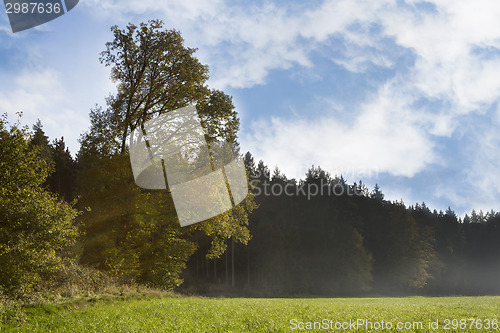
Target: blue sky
(400, 93)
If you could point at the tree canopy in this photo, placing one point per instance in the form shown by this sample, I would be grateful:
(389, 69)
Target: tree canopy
(130, 232)
(35, 224)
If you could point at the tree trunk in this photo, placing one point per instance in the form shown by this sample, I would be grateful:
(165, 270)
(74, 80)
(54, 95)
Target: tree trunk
(232, 262)
(227, 268)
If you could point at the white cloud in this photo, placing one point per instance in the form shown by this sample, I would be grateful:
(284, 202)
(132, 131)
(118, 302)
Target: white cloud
(57, 82)
(41, 95)
(243, 44)
(444, 43)
(383, 138)
(479, 185)
(32, 91)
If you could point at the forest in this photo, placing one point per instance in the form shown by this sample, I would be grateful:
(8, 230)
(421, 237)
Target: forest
(351, 242)
(70, 222)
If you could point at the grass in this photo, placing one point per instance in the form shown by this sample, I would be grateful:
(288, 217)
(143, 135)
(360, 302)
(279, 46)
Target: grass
(193, 314)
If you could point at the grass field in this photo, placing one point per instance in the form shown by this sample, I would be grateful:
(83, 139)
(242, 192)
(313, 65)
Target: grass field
(191, 314)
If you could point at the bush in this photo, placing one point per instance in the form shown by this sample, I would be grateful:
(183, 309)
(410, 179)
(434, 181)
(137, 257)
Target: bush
(35, 225)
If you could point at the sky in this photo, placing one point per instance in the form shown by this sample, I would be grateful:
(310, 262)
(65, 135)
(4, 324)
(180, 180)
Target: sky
(403, 94)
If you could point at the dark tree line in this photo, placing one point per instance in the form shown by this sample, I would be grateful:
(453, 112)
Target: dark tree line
(62, 178)
(316, 236)
(350, 241)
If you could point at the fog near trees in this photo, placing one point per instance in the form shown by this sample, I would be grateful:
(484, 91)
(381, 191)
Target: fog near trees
(350, 241)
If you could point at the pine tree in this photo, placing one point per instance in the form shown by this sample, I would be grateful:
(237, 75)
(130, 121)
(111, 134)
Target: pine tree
(62, 179)
(377, 194)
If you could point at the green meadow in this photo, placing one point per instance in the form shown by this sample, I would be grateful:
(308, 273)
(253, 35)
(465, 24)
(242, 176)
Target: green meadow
(193, 314)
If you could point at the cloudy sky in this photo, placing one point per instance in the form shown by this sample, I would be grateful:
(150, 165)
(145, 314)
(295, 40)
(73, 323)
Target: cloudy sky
(400, 93)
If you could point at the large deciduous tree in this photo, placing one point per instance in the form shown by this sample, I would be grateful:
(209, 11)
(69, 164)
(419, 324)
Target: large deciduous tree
(156, 73)
(131, 232)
